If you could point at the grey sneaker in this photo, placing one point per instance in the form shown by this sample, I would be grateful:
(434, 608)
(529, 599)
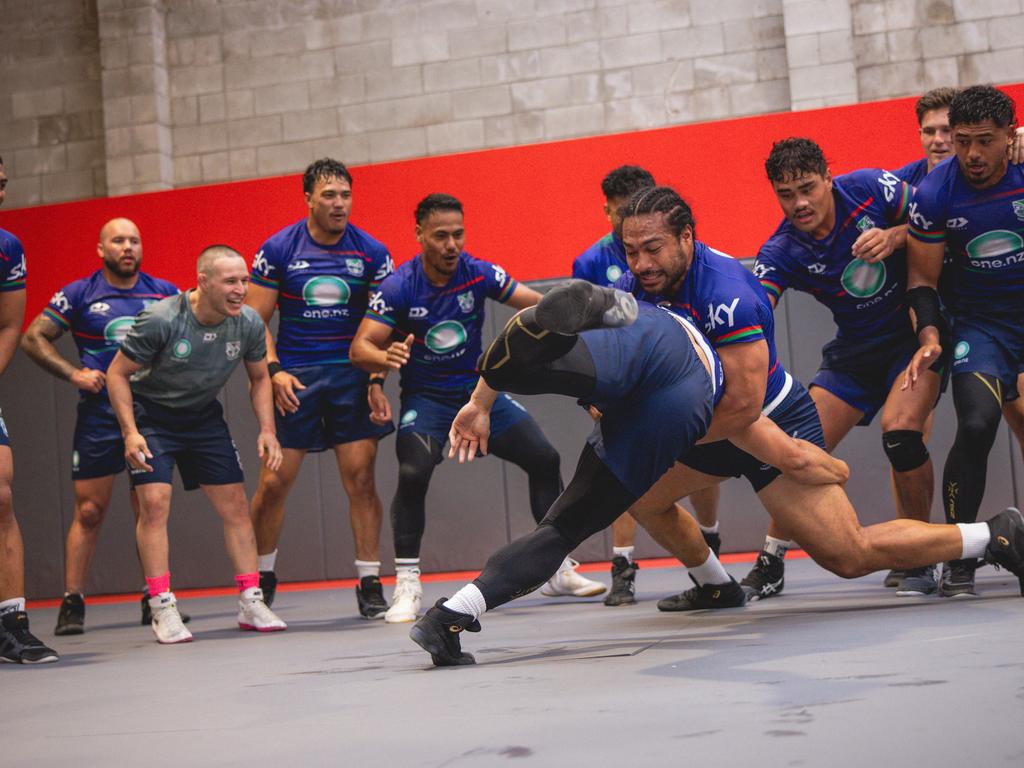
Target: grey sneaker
(893, 579)
(917, 582)
(958, 578)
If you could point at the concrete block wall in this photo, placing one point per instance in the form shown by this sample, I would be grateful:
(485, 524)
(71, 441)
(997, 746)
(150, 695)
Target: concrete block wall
(122, 96)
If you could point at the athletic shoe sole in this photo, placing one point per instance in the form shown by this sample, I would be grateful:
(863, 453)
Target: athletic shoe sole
(253, 628)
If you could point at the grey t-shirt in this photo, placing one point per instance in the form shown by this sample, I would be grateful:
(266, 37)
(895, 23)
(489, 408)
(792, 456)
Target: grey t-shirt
(185, 363)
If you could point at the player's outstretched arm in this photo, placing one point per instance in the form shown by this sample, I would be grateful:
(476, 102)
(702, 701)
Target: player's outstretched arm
(120, 392)
(37, 343)
(373, 351)
(472, 425)
(746, 375)
(924, 267)
(262, 397)
(804, 462)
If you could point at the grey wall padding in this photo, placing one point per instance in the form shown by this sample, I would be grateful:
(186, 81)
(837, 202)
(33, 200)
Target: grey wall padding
(471, 509)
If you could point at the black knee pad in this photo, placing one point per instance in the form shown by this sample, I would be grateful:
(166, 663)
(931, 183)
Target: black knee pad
(905, 448)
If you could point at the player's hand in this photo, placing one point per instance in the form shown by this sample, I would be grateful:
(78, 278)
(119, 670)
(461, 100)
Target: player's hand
(269, 450)
(397, 353)
(380, 406)
(924, 358)
(874, 245)
(285, 387)
(1017, 147)
(469, 432)
(594, 413)
(136, 452)
(89, 380)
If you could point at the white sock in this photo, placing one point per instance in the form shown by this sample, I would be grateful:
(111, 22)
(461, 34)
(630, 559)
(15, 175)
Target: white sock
(407, 565)
(710, 572)
(14, 605)
(626, 552)
(366, 568)
(777, 547)
(468, 600)
(267, 562)
(976, 537)
(709, 529)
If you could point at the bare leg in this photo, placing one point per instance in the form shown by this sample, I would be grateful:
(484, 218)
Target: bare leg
(705, 505)
(910, 410)
(151, 528)
(12, 550)
(624, 531)
(92, 498)
(239, 538)
(268, 502)
(356, 462)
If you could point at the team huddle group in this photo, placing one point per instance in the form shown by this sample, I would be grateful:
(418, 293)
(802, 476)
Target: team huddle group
(666, 342)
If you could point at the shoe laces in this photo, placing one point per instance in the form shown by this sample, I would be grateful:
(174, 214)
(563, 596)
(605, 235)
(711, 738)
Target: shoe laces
(169, 619)
(257, 609)
(406, 587)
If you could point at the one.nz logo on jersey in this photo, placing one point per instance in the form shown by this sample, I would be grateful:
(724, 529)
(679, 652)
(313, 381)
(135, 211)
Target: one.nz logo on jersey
(326, 291)
(861, 279)
(115, 331)
(445, 337)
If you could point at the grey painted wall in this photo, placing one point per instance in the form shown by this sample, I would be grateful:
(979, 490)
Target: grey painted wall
(471, 509)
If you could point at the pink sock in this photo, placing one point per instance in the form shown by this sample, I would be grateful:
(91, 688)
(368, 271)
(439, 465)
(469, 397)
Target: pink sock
(158, 584)
(247, 580)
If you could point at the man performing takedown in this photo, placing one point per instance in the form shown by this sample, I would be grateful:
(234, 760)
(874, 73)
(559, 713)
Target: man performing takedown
(179, 353)
(644, 376)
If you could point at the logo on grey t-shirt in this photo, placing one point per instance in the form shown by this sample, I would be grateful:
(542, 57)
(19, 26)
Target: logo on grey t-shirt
(182, 349)
(232, 349)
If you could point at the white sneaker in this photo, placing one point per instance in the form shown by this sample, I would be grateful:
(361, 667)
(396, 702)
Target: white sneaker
(167, 624)
(254, 615)
(567, 581)
(405, 605)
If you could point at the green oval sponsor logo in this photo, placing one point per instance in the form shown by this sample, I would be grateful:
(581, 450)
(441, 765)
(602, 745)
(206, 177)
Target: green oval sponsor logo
(861, 279)
(998, 242)
(326, 291)
(182, 349)
(613, 273)
(409, 417)
(445, 336)
(117, 329)
(961, 349)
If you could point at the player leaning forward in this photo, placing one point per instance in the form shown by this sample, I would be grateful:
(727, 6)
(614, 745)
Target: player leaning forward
(179, 353)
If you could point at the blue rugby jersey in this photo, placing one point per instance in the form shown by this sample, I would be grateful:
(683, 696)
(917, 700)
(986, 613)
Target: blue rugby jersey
(99, 315)
(983, 231)
(866, 300)
(323, 290)
(446, 321)
(913, 173)
(728, 305)
(12, 263)
(602, 263)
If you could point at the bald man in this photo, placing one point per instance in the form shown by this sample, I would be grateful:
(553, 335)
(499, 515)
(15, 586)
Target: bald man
(98, 310)
(163, 383)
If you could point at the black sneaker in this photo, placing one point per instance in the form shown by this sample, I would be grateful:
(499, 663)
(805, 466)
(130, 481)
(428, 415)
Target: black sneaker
(71, 618)
(958, 578)
(917, 582)
(579, 305)
(623, 591)
(18, 645)
(893, 578)
(147, 612)
(1006, 547)
(370, 596)
(437, 632)
(713, 540)
(268, 583)
(703, 596)
(766, 579)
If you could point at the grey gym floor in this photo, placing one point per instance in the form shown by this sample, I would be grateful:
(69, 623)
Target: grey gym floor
(831, 673)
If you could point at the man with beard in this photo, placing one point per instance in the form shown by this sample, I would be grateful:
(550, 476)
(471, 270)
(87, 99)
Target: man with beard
(98, 310)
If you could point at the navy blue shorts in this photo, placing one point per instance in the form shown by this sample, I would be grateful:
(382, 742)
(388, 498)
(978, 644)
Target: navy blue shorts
(429, 413)
(197, 441)
(5, 439)
(98, 449)
(795, 415)
(861, 374)
(992, 345)
(655, 396)
(332, 410)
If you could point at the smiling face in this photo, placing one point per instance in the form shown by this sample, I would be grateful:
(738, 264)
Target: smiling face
(656, 256)
(330, 204)
(982, 149)
(442, 237)
(224, 285)
(806, 201)
(120, 247)
(936, 136)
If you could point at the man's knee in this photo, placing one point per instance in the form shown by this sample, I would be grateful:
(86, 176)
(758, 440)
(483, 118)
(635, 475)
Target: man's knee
(905, 449)
(848, 562)
(89, 513)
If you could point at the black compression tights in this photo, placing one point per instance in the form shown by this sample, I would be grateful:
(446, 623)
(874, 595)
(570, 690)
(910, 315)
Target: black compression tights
(529, 361)
(591, 502)
(977, 398)
(523, 444)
